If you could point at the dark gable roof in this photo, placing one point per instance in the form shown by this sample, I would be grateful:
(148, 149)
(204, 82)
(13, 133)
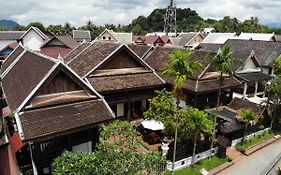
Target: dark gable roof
(92, 56)
(140, 50)
(209, 47)
(238, 104)
(11, 58)
(68, 41)
(80, 35)
(160, 58)
(11, 35)
(75, 52)
(59, 120)
(25, 75)
(185, 38)
(265, 51)
(254, 76)
(125, 82)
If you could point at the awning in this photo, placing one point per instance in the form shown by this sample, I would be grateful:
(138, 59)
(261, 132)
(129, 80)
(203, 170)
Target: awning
(152, 125)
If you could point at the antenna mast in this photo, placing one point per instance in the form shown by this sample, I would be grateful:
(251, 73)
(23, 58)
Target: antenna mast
(170, 18)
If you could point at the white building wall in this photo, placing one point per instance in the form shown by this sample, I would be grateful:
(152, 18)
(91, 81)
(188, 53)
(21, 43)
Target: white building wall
(84, 147)
(32, 41)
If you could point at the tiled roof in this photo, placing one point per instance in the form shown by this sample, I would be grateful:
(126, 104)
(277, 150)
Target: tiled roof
(11, 35)
(76, 51)
(160, 57)
(218, 38)
(140, 50)
(80, 35)
(238, 104)
(256, 36)
(254, 76)
(11, 58)
(125, 82)
(63, 119)
(55, 51)
(92, 56)
(265, 51)
(25, 75)
(209, 47)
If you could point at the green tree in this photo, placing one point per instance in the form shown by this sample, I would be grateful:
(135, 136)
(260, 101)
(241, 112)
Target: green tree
(67, 29)
(248, 117)
(181, 68)
(55, 29)
(3, 28)
(162, 108)
(39, 25)
(196, 123)
(224, 63)
(117, 154)
(274, 101)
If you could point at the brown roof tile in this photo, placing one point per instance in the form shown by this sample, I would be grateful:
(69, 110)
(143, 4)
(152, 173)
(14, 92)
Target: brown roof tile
(92, 56)
(239, 104)
(11, 35)
(19, 82)
(60, 120)
(124, 82)
(140, 50)
(11, 58)
(75, 52)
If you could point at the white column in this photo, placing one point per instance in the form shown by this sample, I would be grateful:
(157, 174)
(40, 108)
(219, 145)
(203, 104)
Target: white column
(245, 90)
(256, 88)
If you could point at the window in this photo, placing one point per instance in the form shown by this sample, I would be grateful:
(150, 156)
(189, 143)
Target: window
(109, 38)
(103, 37)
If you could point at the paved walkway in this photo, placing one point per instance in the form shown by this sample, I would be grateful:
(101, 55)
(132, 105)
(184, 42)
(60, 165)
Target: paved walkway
(254, 163)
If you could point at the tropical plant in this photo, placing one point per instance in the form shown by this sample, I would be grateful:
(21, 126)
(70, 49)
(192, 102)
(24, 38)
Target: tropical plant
(197, 124)
(274, 100)
(248, 117)
(277, 68)
(162, 108)
(224, 63)
(117, 153)
(181, 68)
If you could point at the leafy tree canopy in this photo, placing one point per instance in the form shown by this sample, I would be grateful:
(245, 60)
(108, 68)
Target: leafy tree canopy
(118, 153)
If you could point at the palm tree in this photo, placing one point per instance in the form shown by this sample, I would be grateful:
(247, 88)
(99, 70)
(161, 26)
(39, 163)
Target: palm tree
(198, 123)
(224, 63)
(248, 117)
(181, 68)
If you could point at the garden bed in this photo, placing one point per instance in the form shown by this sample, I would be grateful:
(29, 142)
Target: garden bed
(248, 144)
(205, 163)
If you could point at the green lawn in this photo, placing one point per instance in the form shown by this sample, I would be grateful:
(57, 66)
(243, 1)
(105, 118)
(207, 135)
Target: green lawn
(253, 141)
(215, 162)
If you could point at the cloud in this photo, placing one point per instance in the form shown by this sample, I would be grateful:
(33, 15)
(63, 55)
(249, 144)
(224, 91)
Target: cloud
(123, 11)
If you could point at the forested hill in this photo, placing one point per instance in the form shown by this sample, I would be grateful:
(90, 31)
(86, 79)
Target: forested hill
(189, 20)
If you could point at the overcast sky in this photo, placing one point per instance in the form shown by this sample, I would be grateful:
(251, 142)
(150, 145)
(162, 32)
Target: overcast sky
(77, 12)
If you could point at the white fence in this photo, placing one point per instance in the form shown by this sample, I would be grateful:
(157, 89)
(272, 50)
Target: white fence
(235, 142)
(187, 161)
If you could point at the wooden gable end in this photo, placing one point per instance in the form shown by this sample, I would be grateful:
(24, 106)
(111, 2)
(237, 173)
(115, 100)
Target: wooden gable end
(159, 41)
(59, 83)
(121, 59)
(55, 42)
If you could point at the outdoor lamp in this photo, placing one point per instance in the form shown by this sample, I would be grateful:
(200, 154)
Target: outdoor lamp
(165, 146)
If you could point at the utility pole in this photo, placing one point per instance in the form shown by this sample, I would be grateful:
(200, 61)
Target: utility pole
(170, 18)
